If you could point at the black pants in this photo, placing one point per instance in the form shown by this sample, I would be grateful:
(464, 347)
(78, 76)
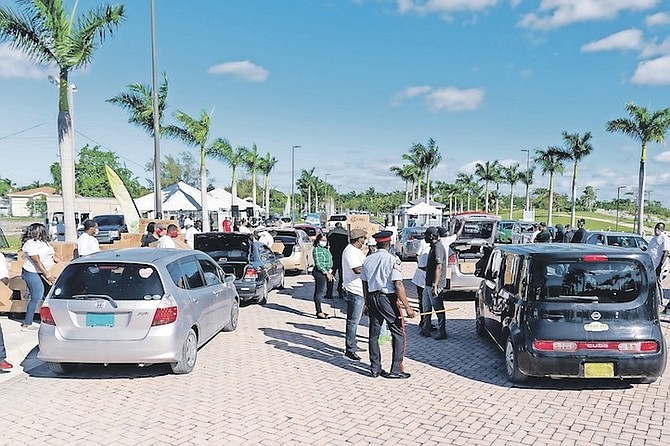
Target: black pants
(337, 270)
(320, 281)
(384, 307)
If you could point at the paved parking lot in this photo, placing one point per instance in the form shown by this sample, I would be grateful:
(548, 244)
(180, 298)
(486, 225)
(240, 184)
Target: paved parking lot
(281, 379)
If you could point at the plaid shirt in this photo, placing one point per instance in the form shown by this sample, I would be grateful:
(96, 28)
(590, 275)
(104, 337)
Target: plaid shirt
(323, 259)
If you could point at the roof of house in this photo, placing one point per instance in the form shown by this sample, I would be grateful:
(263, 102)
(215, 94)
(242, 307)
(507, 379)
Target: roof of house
(44, 190)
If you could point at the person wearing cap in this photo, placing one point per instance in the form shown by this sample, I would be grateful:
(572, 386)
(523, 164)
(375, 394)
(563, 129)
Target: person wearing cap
(352, 262)
(87, 244)
(419, 279)
(189, 231)
(383, 288)
(338, 239)
(4, 278)
(580, 234)
(436, 280)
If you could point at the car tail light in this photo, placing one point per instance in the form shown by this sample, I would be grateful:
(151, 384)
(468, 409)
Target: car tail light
(250, 273)
(595, 258)
(410, 238)
(166, 313)
(572, 346)
(452, 259)
(46, 317)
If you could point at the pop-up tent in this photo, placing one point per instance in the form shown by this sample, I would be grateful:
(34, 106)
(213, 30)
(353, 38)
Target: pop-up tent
(178, 197)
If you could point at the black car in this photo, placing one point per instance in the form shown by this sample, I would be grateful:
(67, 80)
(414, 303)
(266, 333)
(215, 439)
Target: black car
(110, 227)
(572, 310)
(256, 268)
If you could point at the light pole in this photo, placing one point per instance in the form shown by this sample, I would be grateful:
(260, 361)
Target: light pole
(158, 196)
(618, 193)
(293, 176)
(527, 186)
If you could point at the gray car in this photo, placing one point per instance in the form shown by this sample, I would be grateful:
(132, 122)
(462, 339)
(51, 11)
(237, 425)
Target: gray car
(622, 239)
(409, 242)
(138, 305)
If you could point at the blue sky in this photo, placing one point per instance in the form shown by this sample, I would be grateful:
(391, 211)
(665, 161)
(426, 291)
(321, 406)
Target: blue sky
(357, 82)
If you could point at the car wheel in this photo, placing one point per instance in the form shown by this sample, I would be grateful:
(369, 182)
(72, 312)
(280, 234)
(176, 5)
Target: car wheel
(63, 367)
(234, 317)
(479, 321)
(281, 280)
(189, 354)
(511, 364)
(264, 294)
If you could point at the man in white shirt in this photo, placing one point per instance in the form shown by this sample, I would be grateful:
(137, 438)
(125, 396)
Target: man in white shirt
(87, 244)
(167, 239)
(189, 231)
(266, 238)
(659, 250)
(352, 262)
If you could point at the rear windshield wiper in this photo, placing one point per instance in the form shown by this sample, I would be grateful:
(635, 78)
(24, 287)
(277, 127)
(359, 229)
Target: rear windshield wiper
(97, 296)
(566, 297)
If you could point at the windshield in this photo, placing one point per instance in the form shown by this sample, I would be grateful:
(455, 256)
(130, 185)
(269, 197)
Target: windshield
(109, 220)
(338, 218)
(579, 281)
(118, 281)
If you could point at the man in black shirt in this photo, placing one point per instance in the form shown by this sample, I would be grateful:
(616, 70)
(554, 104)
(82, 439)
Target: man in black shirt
(580, 234)
(436, 280)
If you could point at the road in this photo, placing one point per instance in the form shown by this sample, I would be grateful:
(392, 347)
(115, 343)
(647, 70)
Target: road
(281, 379)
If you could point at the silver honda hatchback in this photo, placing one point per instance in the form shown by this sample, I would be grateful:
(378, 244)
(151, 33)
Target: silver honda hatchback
(139, 305)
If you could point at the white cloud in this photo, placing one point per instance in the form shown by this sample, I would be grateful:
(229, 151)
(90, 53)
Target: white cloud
(660, 18)
(653, 72)
(412, 92)
(663, 157)
(14, 64)
(244, 70)
(626, 40)
(453, 99)
(554, 14)
(443, 6)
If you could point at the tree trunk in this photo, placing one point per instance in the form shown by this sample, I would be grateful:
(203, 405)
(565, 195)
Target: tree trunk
(253, 188)
(527, 197)
(497, 198)
(640, 195)
(511, 200)
(233, 186)
(486, 197)
(550, 205)
(574, 195)
(65, 143)
(267, 195)
(203, 191)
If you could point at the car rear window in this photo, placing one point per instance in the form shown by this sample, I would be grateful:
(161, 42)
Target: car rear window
(119, 281)
(626, 241)
(109, 220)
(309, 230)
(338, 218)
(477, 229)
(580, 281)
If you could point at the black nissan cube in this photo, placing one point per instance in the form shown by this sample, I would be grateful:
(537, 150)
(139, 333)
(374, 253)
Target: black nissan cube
(565, 310)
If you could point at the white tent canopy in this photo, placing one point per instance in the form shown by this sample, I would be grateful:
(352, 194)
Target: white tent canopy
(226, 198)
(423, 208)
(178, 197)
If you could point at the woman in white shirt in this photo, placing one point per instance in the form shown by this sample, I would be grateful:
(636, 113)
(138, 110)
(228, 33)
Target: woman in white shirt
(39, 259)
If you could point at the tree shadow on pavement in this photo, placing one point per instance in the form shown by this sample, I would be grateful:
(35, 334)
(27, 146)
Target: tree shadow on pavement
(311, 347)
(467, 355)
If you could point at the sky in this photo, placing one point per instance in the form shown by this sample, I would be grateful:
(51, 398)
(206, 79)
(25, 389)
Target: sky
(356, 83)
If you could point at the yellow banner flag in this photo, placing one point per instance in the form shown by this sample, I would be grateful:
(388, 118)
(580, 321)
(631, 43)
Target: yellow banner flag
(128, 208)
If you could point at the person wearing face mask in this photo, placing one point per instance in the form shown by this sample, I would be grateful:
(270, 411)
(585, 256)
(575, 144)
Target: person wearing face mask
(87, 244)
(352, 262)
(322, 272)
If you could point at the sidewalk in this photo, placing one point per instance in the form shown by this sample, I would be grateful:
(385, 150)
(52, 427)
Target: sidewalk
(21, 348)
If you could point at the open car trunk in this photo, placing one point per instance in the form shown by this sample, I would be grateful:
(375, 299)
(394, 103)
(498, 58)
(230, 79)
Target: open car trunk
(232, 251)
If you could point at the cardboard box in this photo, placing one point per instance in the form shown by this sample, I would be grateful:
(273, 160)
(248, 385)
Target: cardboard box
(65, 251)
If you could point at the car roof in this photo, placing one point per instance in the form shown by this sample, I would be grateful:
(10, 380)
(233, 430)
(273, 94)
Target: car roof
(566, 249)
(620, 233)
(140, 255)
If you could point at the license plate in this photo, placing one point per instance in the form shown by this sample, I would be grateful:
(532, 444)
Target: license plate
(599, 370)
(99, 319)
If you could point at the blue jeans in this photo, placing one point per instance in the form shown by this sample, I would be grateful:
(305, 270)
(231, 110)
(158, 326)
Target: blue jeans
(354, 312)
(3, 352)
(438, 305)
(36, 290)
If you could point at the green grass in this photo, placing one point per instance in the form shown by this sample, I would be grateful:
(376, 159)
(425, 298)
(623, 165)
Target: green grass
(594, 220)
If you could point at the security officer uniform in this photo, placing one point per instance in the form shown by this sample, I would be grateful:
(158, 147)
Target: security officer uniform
(378, 272)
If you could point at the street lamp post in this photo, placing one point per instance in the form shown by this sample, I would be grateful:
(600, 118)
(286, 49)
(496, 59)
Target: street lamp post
(158, 196)
(293, 177)
(618, 193)
(527, 186)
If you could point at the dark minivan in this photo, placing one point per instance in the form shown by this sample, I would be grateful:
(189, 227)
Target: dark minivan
(572, 310)
(256, 268)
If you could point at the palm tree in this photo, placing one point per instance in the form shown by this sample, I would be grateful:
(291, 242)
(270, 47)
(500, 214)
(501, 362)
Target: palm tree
(405, 173)
(511, 175)
(138, 101)
(414, 159)
(265, 165)
(577, 148)
(251, 162)
(497, 178)
(48, 35)
(485, 172)
(307, 183)
(430, 159)
(223, 151)
(195, 133)
(644, 127)
(466, 182)
(551, 162)
(526, 177)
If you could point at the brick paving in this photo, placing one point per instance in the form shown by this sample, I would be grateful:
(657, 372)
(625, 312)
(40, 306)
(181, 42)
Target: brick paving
(281, 379)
